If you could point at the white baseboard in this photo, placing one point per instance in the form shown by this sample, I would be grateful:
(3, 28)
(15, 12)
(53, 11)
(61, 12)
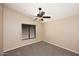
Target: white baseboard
(62, 47)
(19, 46)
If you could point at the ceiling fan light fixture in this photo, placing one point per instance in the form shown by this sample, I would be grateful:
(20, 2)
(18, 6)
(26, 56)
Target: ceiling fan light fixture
(41, 14)
(40, 8)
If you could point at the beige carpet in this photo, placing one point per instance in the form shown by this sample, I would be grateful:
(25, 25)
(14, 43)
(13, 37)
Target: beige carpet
(40, 49)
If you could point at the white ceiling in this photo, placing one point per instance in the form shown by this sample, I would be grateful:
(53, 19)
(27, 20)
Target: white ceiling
(55, 10)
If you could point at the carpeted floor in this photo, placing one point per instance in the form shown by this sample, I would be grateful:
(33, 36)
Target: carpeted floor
(40, 49)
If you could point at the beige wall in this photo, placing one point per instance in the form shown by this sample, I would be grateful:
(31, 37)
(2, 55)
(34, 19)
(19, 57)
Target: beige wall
(12, 29)
(64, 33)
(1, 26)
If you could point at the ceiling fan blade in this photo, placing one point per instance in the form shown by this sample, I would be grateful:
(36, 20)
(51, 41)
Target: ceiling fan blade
(46, 16)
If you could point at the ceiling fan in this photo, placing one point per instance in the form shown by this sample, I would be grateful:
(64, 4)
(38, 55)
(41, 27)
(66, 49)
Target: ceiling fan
(40, 16)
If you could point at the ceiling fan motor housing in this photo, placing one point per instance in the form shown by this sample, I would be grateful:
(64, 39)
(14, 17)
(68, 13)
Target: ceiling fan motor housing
(41, 14)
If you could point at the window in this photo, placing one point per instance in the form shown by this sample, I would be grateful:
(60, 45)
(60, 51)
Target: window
(28, 31)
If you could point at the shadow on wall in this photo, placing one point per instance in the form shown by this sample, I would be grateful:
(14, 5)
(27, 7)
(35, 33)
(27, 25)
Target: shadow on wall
(1, 32)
